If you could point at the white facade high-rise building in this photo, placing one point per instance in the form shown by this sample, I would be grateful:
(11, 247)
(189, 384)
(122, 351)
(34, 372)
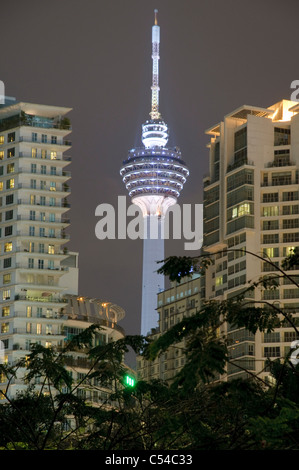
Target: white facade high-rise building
(154, 176)
(36, 268)
(251, 205)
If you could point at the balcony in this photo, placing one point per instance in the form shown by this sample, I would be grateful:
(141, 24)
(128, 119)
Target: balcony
(65, 158)
(49, 299)
(24, 119)
(40, 141)
(238, 164)
(24, 331)
(44, 221)
(52, 316)
(64, 189)
(63, 236)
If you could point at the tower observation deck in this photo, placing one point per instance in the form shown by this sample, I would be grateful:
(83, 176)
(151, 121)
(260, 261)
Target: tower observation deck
(154, 176)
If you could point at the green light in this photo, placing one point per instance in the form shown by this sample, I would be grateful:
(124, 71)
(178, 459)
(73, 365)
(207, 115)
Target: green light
(129, 381)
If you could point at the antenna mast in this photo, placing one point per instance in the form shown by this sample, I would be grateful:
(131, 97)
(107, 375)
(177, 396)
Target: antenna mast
(155, 80)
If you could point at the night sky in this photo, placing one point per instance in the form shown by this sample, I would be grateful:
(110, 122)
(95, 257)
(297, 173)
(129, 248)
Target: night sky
(95, 57)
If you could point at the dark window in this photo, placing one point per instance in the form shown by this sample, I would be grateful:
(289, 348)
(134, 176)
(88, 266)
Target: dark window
(282, 136)
(11, 152)
(11, 137)
(9, 199)
(8, 230)
(8, 215)
(7, 263)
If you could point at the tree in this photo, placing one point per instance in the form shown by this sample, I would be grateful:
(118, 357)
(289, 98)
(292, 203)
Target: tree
(51, 413)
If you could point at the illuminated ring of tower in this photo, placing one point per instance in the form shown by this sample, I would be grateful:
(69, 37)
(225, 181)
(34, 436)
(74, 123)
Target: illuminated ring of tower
(147, 174)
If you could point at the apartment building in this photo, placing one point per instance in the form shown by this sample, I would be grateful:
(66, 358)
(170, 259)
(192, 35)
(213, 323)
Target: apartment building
(251, 201)
(39, 298)
(179, 301)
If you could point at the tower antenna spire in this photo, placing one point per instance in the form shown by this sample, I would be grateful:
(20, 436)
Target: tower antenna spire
(155, 77)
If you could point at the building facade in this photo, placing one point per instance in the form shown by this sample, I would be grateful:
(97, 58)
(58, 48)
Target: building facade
(180, 301)
(80, 313)
(251, 202)
(39, 299)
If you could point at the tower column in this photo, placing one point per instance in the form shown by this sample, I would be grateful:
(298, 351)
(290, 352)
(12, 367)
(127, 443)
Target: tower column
(152, 282)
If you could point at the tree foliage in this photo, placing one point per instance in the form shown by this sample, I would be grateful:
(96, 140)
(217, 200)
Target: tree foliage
(195, 411)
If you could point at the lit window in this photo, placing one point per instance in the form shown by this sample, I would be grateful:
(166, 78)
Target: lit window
(1, 155)
(244, 209)
(8, 246)
(29, 311)
(288, 250)
(7, 278)
(1, 185)
(52, 186)
(53, 155)
(235, 212)
(10, 168)
(38, 329)
(270, 211)
(5, 311)
(1, 139)
(33, 153)
(51, 249)
(5, 328)
(6, 294)
(219, 280)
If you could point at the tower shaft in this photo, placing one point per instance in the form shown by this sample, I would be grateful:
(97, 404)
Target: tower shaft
(152, 282)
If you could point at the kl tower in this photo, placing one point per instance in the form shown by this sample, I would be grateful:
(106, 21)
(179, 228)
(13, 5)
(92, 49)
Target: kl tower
(154, 176)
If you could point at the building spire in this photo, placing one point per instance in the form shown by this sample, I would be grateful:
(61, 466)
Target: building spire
(155, 79)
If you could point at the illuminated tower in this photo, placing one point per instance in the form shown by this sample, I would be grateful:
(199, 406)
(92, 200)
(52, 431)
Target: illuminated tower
(154, 175)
